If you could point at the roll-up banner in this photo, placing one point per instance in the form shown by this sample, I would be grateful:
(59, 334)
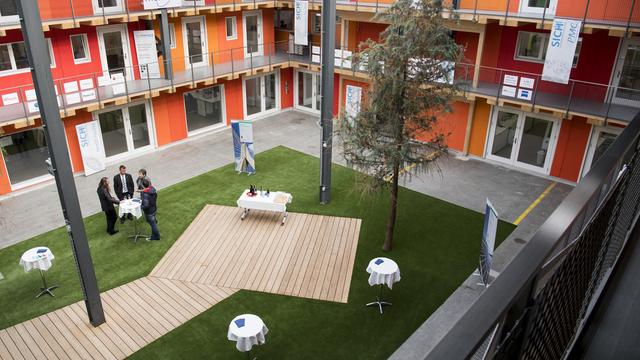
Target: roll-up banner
(243, 152)
(488, 241)
(91, 147)
(561, 50)
(301, 26)
(147, 54)
(352, 101)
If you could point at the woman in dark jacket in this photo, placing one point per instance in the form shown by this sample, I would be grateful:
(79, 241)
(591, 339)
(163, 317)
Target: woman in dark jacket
(106, 202)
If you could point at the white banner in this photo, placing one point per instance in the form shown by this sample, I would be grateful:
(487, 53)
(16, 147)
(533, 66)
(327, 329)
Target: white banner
(301, 25)
(147, 54)
(352, 101)
(561, 50)
(91, 147)
(488, 241)
(160, 4)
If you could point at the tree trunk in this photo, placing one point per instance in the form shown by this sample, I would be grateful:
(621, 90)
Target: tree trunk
(391, 223)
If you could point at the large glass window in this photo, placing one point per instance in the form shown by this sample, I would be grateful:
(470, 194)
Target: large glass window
(203, 107)
(253, 96)
(24, 155)
(231, 26)
(8, 8)
(114, 136)
(139, 127)
(194, 41)
(260, 93)
(13, 57)
(532, 46)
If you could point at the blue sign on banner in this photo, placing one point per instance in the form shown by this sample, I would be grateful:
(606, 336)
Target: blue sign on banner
(243, 146)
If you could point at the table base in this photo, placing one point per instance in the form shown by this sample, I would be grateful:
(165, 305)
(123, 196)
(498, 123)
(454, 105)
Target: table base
(379, 303)
(47, 291)
(137, 234)
(245, 212)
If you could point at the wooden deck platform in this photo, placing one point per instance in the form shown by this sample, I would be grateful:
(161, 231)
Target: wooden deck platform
(311, 256)
(137, 314)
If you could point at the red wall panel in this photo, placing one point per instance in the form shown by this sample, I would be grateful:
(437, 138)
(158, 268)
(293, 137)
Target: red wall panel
(367, 31)
(572, 142)
(286, 88)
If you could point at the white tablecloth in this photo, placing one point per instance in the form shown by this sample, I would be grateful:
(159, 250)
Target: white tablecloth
(131, 206)
(383, 271)
(260, 202)
(32, 259)
(251, 333)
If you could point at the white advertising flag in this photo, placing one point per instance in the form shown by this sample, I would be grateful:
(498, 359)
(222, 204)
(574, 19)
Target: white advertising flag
(91, 147)
(488, 241)
(301, 26)
(147, 54)
(561, 50)
(352, 101)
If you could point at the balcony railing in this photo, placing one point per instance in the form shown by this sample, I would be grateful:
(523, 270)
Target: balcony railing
(539, 304)
(93, 90)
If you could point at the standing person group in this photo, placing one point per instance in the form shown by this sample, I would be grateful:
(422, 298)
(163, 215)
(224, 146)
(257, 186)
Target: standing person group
(124, 188)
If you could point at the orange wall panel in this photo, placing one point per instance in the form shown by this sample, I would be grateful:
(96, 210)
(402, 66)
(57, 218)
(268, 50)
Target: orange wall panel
(5, 185)
(169, 118)
(233, 100)
(452, 125)
(479, 127)
(570, 149)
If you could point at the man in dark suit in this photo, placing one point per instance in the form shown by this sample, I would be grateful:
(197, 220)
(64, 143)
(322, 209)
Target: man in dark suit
(124, 188)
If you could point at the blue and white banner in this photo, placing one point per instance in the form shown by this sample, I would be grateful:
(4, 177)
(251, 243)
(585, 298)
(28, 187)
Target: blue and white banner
(561, 50)
(160, 4)
(488, 241)
(91, 147)
(352, 101)
(243, 146)
(301, 23)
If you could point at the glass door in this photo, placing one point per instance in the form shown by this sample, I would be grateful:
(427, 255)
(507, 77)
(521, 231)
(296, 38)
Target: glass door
(523, 140)
(252, 33)
(601, 139)
(627, 75)
(24, 156)
(308, 91)
(195, 41)
(107, 6)
(114, 50)
(125, 130)
(260, 94)
(503, 136)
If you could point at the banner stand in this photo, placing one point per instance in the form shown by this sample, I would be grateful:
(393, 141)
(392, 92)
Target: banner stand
(488, 244)
(243, 146)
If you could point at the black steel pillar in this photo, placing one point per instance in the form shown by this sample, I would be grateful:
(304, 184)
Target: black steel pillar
(37, 54)
(326, 107)
(165, 38)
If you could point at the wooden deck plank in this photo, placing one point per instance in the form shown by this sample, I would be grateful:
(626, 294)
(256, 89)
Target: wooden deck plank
(272, 246)
(288, 280)
(96, 335)
(345, 281)
(129, 326)
(38, 349)
(329, 255)
(141, 305)
(66, 350)
(40, 333)
(145, 325)
(173, 316)
(72, 332)
(268, 279)
(172, 298)
(304, 264)
(273, 285)
(63, 336)
(17, 349)
(179, 289)
(316, 271)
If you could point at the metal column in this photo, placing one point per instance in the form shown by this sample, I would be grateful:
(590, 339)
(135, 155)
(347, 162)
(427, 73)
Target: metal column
(326, 108)
(165, 37)
(37, 54)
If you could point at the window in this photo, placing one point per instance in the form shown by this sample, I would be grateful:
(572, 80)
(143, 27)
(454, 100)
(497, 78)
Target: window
(204, 108)
(172, 36)
(13, 58)
(284, 19)
(52, 58)
(317, 24)
(80, 48)
(24, 155)
(532, 46)
(8, 10)
(231, 25)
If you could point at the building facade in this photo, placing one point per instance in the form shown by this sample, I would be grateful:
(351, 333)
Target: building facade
(236, 60)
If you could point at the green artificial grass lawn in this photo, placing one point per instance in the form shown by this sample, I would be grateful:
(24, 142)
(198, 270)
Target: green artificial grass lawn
(436, 245)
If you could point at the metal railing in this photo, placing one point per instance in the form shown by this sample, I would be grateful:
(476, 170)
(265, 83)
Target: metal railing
(537, 306)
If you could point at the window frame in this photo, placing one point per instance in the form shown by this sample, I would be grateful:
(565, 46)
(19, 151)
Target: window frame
(9, 18)
(172, 36)
(234, 20)
(316, 24)
(543, 50)
(85, 44)
(52, 56)
(12, 59)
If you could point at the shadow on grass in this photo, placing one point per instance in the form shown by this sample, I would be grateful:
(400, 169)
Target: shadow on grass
(436, 246)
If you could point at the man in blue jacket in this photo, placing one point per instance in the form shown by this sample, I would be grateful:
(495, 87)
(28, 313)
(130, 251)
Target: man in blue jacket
(149, 197)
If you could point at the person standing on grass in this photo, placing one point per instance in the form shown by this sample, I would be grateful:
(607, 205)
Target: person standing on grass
(142, 174)
(124, 188)
(149, 198)
(106, 203)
